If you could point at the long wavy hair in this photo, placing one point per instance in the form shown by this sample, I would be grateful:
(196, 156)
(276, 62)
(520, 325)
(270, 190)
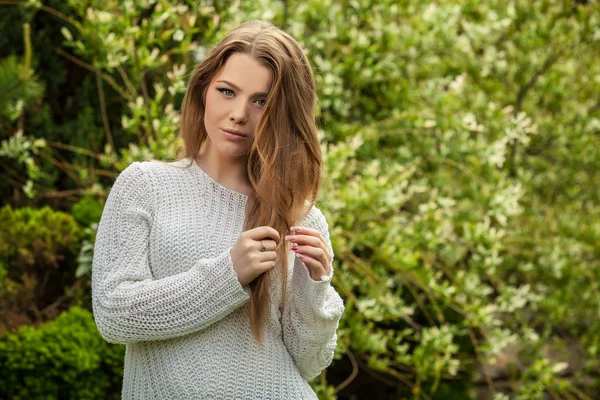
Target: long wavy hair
(284, 163)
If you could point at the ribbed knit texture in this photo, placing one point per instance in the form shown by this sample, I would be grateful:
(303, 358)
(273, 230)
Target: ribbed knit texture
(163, 283)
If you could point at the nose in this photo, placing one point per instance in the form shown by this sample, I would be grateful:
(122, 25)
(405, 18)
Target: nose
(239, 113)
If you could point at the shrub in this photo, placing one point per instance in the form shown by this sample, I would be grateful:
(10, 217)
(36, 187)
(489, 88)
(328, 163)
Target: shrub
(38, 249)
(63, 359)
(87, 211)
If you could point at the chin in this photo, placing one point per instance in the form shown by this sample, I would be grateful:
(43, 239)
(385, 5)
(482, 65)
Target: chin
(230, 150)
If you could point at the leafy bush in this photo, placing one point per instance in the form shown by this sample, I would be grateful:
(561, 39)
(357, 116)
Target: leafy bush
(87, 211)
(38, 249)
(63, 359)
(462, 155)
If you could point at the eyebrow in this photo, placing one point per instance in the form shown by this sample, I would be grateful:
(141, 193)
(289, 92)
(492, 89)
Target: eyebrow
(233, 85)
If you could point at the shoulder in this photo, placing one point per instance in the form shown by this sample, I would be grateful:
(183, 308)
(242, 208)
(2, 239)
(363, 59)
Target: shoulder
(314, 218)
(147, 177)
(129, 191)
(153, 172)
(130, 178)
(159, 167)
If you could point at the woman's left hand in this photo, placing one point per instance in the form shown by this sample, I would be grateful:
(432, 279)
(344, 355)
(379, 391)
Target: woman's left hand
(311, 248)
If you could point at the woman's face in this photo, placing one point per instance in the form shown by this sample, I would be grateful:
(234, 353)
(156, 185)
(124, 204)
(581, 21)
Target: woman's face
(234, 102)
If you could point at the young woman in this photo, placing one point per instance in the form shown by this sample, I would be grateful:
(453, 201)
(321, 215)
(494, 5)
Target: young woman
(215, 270)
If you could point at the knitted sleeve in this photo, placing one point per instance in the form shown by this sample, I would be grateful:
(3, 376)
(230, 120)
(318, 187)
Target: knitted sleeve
(311, 312)
(129, 304)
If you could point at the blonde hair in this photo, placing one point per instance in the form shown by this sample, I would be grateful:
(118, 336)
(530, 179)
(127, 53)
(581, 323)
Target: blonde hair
(284, 162)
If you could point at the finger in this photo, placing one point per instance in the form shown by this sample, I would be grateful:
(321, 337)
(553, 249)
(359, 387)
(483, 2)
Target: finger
(270, 245)
(264, 256)
(305, 240)
(312, 264)
(307, 231)
(263, 232)
(315, 253)
(302, 230)
(266, 265)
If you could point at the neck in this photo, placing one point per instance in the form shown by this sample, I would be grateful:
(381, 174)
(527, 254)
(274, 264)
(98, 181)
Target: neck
(227, 171)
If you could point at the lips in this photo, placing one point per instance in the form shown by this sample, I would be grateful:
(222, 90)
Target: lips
(233, 135)
(235, 132)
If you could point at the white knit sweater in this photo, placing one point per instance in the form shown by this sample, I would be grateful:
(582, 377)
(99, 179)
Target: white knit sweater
(163, 283)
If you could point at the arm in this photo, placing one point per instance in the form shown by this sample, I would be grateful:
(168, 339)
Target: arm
(129, 304)
(311, 312)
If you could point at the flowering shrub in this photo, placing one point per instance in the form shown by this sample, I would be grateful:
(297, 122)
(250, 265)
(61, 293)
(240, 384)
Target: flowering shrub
(461, 142)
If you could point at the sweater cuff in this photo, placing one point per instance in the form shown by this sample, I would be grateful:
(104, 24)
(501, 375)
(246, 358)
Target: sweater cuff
(310, 295)
(246, 288)
(223, 267)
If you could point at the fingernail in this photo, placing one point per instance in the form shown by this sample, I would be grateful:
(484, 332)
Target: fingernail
(288, 237)
(293, 228)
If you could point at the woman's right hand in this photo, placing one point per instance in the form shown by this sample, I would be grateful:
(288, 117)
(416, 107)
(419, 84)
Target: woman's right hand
(248, 259)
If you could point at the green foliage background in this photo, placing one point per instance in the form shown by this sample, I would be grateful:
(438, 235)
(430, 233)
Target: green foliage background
(462, 148)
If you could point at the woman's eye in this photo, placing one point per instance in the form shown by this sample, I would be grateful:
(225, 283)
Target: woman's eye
(229, 93)
(225, 92)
